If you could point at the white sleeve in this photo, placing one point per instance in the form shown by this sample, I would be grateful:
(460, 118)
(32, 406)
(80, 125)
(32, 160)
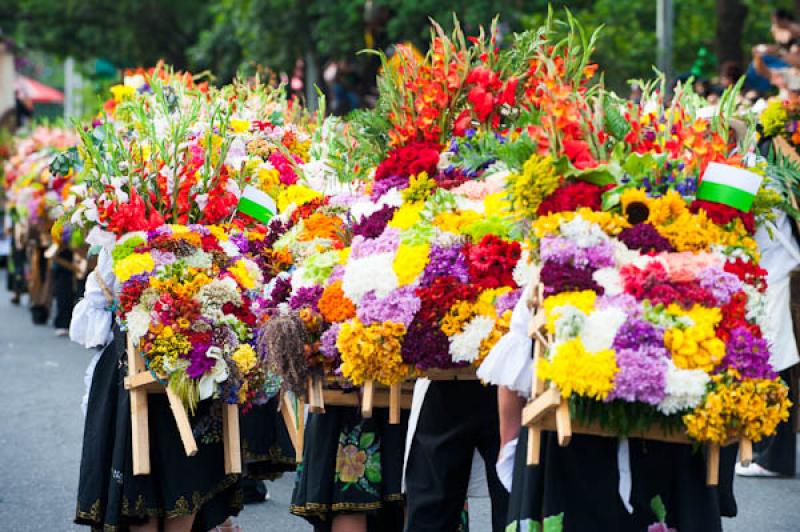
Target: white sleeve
(91, 318)
(510, 361)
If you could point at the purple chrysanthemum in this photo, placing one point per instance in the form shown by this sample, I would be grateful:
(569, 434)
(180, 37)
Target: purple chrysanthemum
(748, 354)
(645, 238)
(641, 376)
(445, 261)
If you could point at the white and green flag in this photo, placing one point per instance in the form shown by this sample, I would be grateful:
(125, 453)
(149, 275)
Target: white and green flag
(729, 185)
(257, 204)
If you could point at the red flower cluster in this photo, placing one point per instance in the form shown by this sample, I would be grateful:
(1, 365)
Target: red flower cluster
(221, 203)
(492, 262)
(579, 154)
(749, 273)
(488, 93)
(131, 293)
(131, 216)
(733, 316)
(652, 283)
(723, 214)
(442, 294)
(408, 160)
(571, 197)
(284, 168)
(242, 312)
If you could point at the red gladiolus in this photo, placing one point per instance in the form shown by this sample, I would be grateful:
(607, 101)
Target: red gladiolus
(579, 154)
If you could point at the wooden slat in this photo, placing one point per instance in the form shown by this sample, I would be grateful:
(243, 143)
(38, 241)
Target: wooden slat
(301, 426)
(712, 465)
(745, 452)
(544, 404)
(380, 398)
(563, 424)
(314, 400)
(139, 380)
(367, 398)
(231, 442)
(534, 446)
(140, 431)
(318, 391)
(454, 374)
(290, 419)
(182, 421)
(394, 404)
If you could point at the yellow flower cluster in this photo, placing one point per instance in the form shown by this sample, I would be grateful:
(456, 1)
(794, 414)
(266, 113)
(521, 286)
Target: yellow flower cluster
(296, 195)
(183, 290)
(420, 187)
(537, 181)
(409, 263)
(609, 222)
(458, 316)
(691, 232)
(242, 274)
(773, 118)
(372, 352)
(133, 264)
(695, 347)
(245, 358)
(501, 327)
(583, 301)
(751, 408)
(455, 222)
(576, 371)
(238, 125)
(407, 216)
(662, 210)
(165, 350)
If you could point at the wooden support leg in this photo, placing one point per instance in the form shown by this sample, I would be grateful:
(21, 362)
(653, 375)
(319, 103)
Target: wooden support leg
(367, 399)
(313, 400)
(182, 420)
(140, 429)
(232, 446)
(394, 404)
(534, 446)
(301, 427)
(563, 423)
(745, 452)
(319, 393)
(712, 465)
(290, 419)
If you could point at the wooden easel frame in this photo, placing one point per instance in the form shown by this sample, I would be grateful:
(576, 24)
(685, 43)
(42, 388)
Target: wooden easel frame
(140, 382)
(548, 410)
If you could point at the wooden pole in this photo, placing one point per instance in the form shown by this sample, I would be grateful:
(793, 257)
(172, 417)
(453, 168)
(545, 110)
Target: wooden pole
(394, 404)
(745, 452)
(563, 423)
(367, 398)
(301, 427)
(712, 465)
(140, 433)
(537, 386)
(290, 419)
(231, 441)
(182, 420)
(313, 401)
(318, 390)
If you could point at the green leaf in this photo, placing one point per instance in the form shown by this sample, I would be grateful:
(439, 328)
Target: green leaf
(367, 438)
(373, 473)
(611, 198)
(658, 508)
(554, 523)
(615, 122)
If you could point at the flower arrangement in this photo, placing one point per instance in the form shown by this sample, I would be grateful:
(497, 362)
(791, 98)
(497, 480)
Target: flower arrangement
(190, 299)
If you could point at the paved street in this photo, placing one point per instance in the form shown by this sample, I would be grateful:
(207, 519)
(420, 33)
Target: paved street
(41, 385)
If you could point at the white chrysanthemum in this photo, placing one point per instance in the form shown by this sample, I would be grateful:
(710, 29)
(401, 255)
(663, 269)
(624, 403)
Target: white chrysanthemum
(466, 204)
(601, 328)
(756, 311)
(214, 295)
(199, 259)
(230, 249)
(465, 346)
(584, 233)
(253, 271)
(570, 322)
(684, 389)
(623, 255)
(609, 279)
(137, 322)
(369, 273)
(523, 271)
(219, 373)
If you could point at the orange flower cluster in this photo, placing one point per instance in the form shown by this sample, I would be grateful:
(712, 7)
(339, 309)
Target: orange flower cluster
(334, 305)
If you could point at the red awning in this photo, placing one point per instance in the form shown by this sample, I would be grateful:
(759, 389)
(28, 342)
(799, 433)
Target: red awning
(38, 92)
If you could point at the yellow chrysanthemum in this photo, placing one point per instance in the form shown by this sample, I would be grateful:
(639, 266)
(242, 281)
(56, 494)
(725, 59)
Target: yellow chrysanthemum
(242, 274)
(296, 195)
(577, 371)
(133, 264)
(497, 204)
(239, 126)
(406, 216)
(409, 262)
(245, 358)
(455, 222)
(697, 346)
(121, 93)
(372, 352)
(583, 301)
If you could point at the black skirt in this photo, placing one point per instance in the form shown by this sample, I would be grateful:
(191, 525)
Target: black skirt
(581, 481)
(266, 447)
(351, 465)
(110, 497)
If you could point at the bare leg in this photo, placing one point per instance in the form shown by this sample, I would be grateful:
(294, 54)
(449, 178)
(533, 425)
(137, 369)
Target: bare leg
(350, 523)
(509, 404)
(230, 525)
(150, 526)
(179, 524)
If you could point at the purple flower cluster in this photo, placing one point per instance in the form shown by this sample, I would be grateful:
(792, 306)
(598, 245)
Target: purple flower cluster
(241, 241)
(199, 363)
(444, 261)
(508, 301)
(625, 302)
(426, 346)
(379, 188)
(328, 343)
(306, 297)
(748, 354)
(399, 306)
(559, 278)
(635, 333)
(387, 242)
(276, 229)
(645, 238)
(373, 225)
(641, 376)
(720, 283)
(280, 291)
(565, 251)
